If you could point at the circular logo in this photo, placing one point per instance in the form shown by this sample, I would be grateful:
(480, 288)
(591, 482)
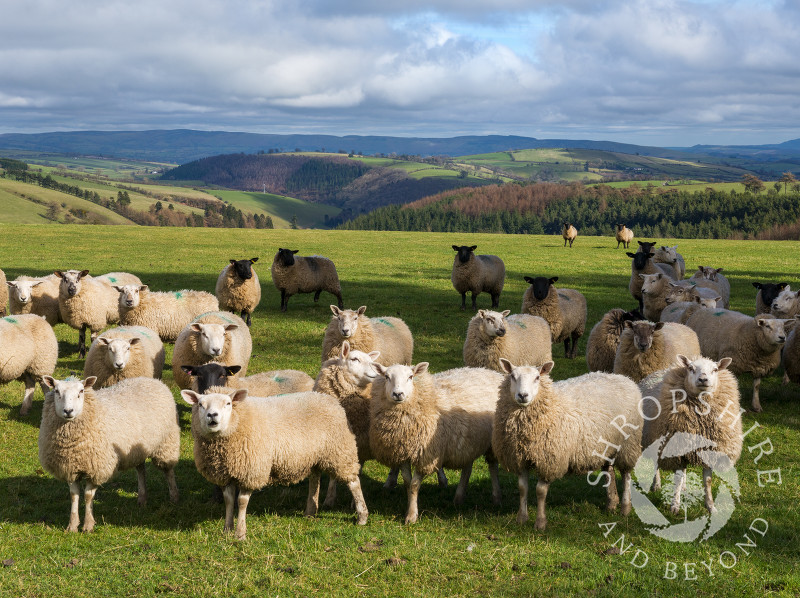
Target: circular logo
(676, 446)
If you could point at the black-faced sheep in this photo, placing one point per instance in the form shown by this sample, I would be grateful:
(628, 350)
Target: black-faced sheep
(477, 274)
(293, 274)
(263, 384)
(643, 264)
(563, 309)
(767, 292)
(238, 288)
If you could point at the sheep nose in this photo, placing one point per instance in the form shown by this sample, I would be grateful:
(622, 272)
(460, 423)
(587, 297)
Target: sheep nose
(119, 365)
(129, 303)
(501, 332)
(345, 332)
(216, 351)
(397, 396)
(702, 381)
(68, 412)
(522, 397)
(781, 339)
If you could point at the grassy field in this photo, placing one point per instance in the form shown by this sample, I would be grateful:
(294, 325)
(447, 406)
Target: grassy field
(476, 549)
(108, 167)
(281, 208)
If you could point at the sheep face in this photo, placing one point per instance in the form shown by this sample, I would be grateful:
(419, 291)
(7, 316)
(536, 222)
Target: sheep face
(21, 290)
(769, 290)
(68, 395)
(214, 410)
(773, 331)
(643, 333)
(676, 293)
(651, 283)
(130, 295)
(646, 246)
(702, 374)
(244, 268)
(784, 302)
(210, 374)
(399, 385)
(118, 350)
(285, 257)
(71, 281)
(465, 252)
(707, 302)
(640, 258)
(211, 337)
(524, 380)
(541, 286)
(347, 319)
(670, 254)
(359, 366)
(493, 323)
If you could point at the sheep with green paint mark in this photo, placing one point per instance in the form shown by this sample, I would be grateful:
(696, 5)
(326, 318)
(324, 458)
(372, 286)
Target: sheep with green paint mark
(35, 295)
(386, 334)
(30, 351)
(124, 352)
(263, 384)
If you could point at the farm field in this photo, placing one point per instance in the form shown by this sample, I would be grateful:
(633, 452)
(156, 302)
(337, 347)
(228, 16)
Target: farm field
(475, 549)
(280, 207)
(108, 167)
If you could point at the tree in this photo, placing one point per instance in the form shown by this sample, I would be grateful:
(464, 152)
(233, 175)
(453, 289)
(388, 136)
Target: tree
(294, 222)
(787, 179)
(752, 183)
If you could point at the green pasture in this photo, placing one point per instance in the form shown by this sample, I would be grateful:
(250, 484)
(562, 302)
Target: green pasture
(281, 208)
(473, 550)
(108, 167)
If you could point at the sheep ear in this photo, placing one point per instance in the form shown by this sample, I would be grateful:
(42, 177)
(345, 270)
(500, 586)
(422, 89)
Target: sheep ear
(554, 279)
(190, 396)
(455, 247)
(232, 370)
(89, 382)
(787, 288)
(83, 273)
(528, 279)
(674, 285)
(720, 270)
(49, 381)
(102, 340)
(629, 254)
(663, 248)
(240, 394)
(295, 250)
(361, 310)
(658, 276)
(11, 284)
(373, 355)
(335, 310)
(641, 276)
(231, 327)
(658, 326)
(473, 247)
(232, 262)
(546, 368)
(189, 369)
(506, 365)
(344, 350)
(482, 313)
(718, 298)
(59, 273)
(253, 260)
(724, 363)
(381, 369)
(143, 288)
(420, 368)
(782, 285)
(135, 340)
(628, 324)
(758, 285)
(789, 324)
(506, 312)
(761, 322)
(116, 287)
(195, 327)
(683, 360)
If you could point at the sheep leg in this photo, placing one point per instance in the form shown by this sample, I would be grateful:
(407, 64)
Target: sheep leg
(566, 347)
(172, 484)
(312, 504)
(246, 317)
(626, 494)
(30, 388)
(461, 491)
(785, 378)
(575, 337)
(475, 300)
(330, 494)
(495, 477)
(284, 300)
(229, 494)
(656, 485)
(565, 243)
(140, 475)
(82, 342)
(391, 479)
(74, 502)
(358, 498)
(339, 300)
(441, 476)
(680, 481)
(496, 300)
(412, 488)
(522, 482)
(611, 489)
(317, 294)
(88, 498)
(756, 405)
(463, 301)
(241, 516)
(707, 486)
(541, 496)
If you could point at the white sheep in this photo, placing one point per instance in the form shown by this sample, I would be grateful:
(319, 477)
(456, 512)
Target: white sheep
(711, 278)
(388, 335)
(786, 304)
(624, 235)
(238, 288)
(218, 336)
(569, 233)
(521, 338)
(643, 264)
(35, 295)
(601, 348)
(124, 352)
(166, 312)
(29, 352)
(671, 257)
(3, 293)
(426, 422)
(263, 384)
(90, 435)
(646, 347)
(767, 291)
(247, 443)
(292, 274)
(681, 311)
(578, 425)
(477, 274)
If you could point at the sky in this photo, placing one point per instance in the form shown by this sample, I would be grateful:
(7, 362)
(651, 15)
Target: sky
(650, 72)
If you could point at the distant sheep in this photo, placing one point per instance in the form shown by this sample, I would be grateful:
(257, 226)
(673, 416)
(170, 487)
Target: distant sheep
(767, 292)
(563, 309)
(388, 335)
(124, 352)
(646, 347)
(477, 274)
(238, 288)
(601, 348)
(35, 295)
(624, 235)
(263, 384)
(292, 274)
(166, 312)
(520, 338)
(216, 336)
(90, 435)
(671, 257)
(569, 234)
(28, 351)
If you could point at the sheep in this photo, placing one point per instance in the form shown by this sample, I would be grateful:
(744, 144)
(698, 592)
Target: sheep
(754, 344)
(388, 335)
(427, 422)
(694, 410)
(687, 290)
(30, 351)
(569, 233)
(654, 291)
(681, 311)
(124, 352)
(711, 278)
(477, 274)
(247, 443)
(29, 295)
(87, 302)
(671, 257)
(791, 357)
(292, 275)
(167, 313)
(3, 293)
(601, 348)
(238, 288)
(90, 435)
(214, 336)
(646, 347)
(624, 235)
(767, 291)
(578, 425)
(642, 264)
(786, 304)
(491, 335)
(263, 384)
(563, 309)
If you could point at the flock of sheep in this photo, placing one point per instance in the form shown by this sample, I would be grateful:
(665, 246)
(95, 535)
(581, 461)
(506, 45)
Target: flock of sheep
(370, 402)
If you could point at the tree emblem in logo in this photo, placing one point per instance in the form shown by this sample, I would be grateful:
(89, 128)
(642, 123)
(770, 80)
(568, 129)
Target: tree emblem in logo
(676, 446)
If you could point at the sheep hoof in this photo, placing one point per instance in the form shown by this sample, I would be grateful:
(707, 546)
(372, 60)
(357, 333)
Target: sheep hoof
(675, 509)
(24, 411)
(626, 509)
(361, 519)
(541, 523)
(611, 506)
(73, 527)
(458, 500)
(756, 408)
(88, 527)
(328, 504)
(142, 500)
(522, 518)
(411, 518)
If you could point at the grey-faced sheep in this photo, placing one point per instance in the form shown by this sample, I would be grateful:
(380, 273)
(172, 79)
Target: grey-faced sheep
(579, 425)
(167, 313)
(767, 291)
(520, 338)
(671, 257)
(90, 435)
(695, 411)
(427, 422)
(124, 352)
(601, 348)
(29, 295)
(643, 264)
(263, 384)
(569, 233)
(293, 274)
(86, 302)
(681, 311)
(646, 347)
(218, 336)
(388, 335)
(247, 443)
(477, 274)
(563, 309)
(624, 235)
(786, 304)
(238, 288)
(30, 351)
(754, 344)
(711, 278)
